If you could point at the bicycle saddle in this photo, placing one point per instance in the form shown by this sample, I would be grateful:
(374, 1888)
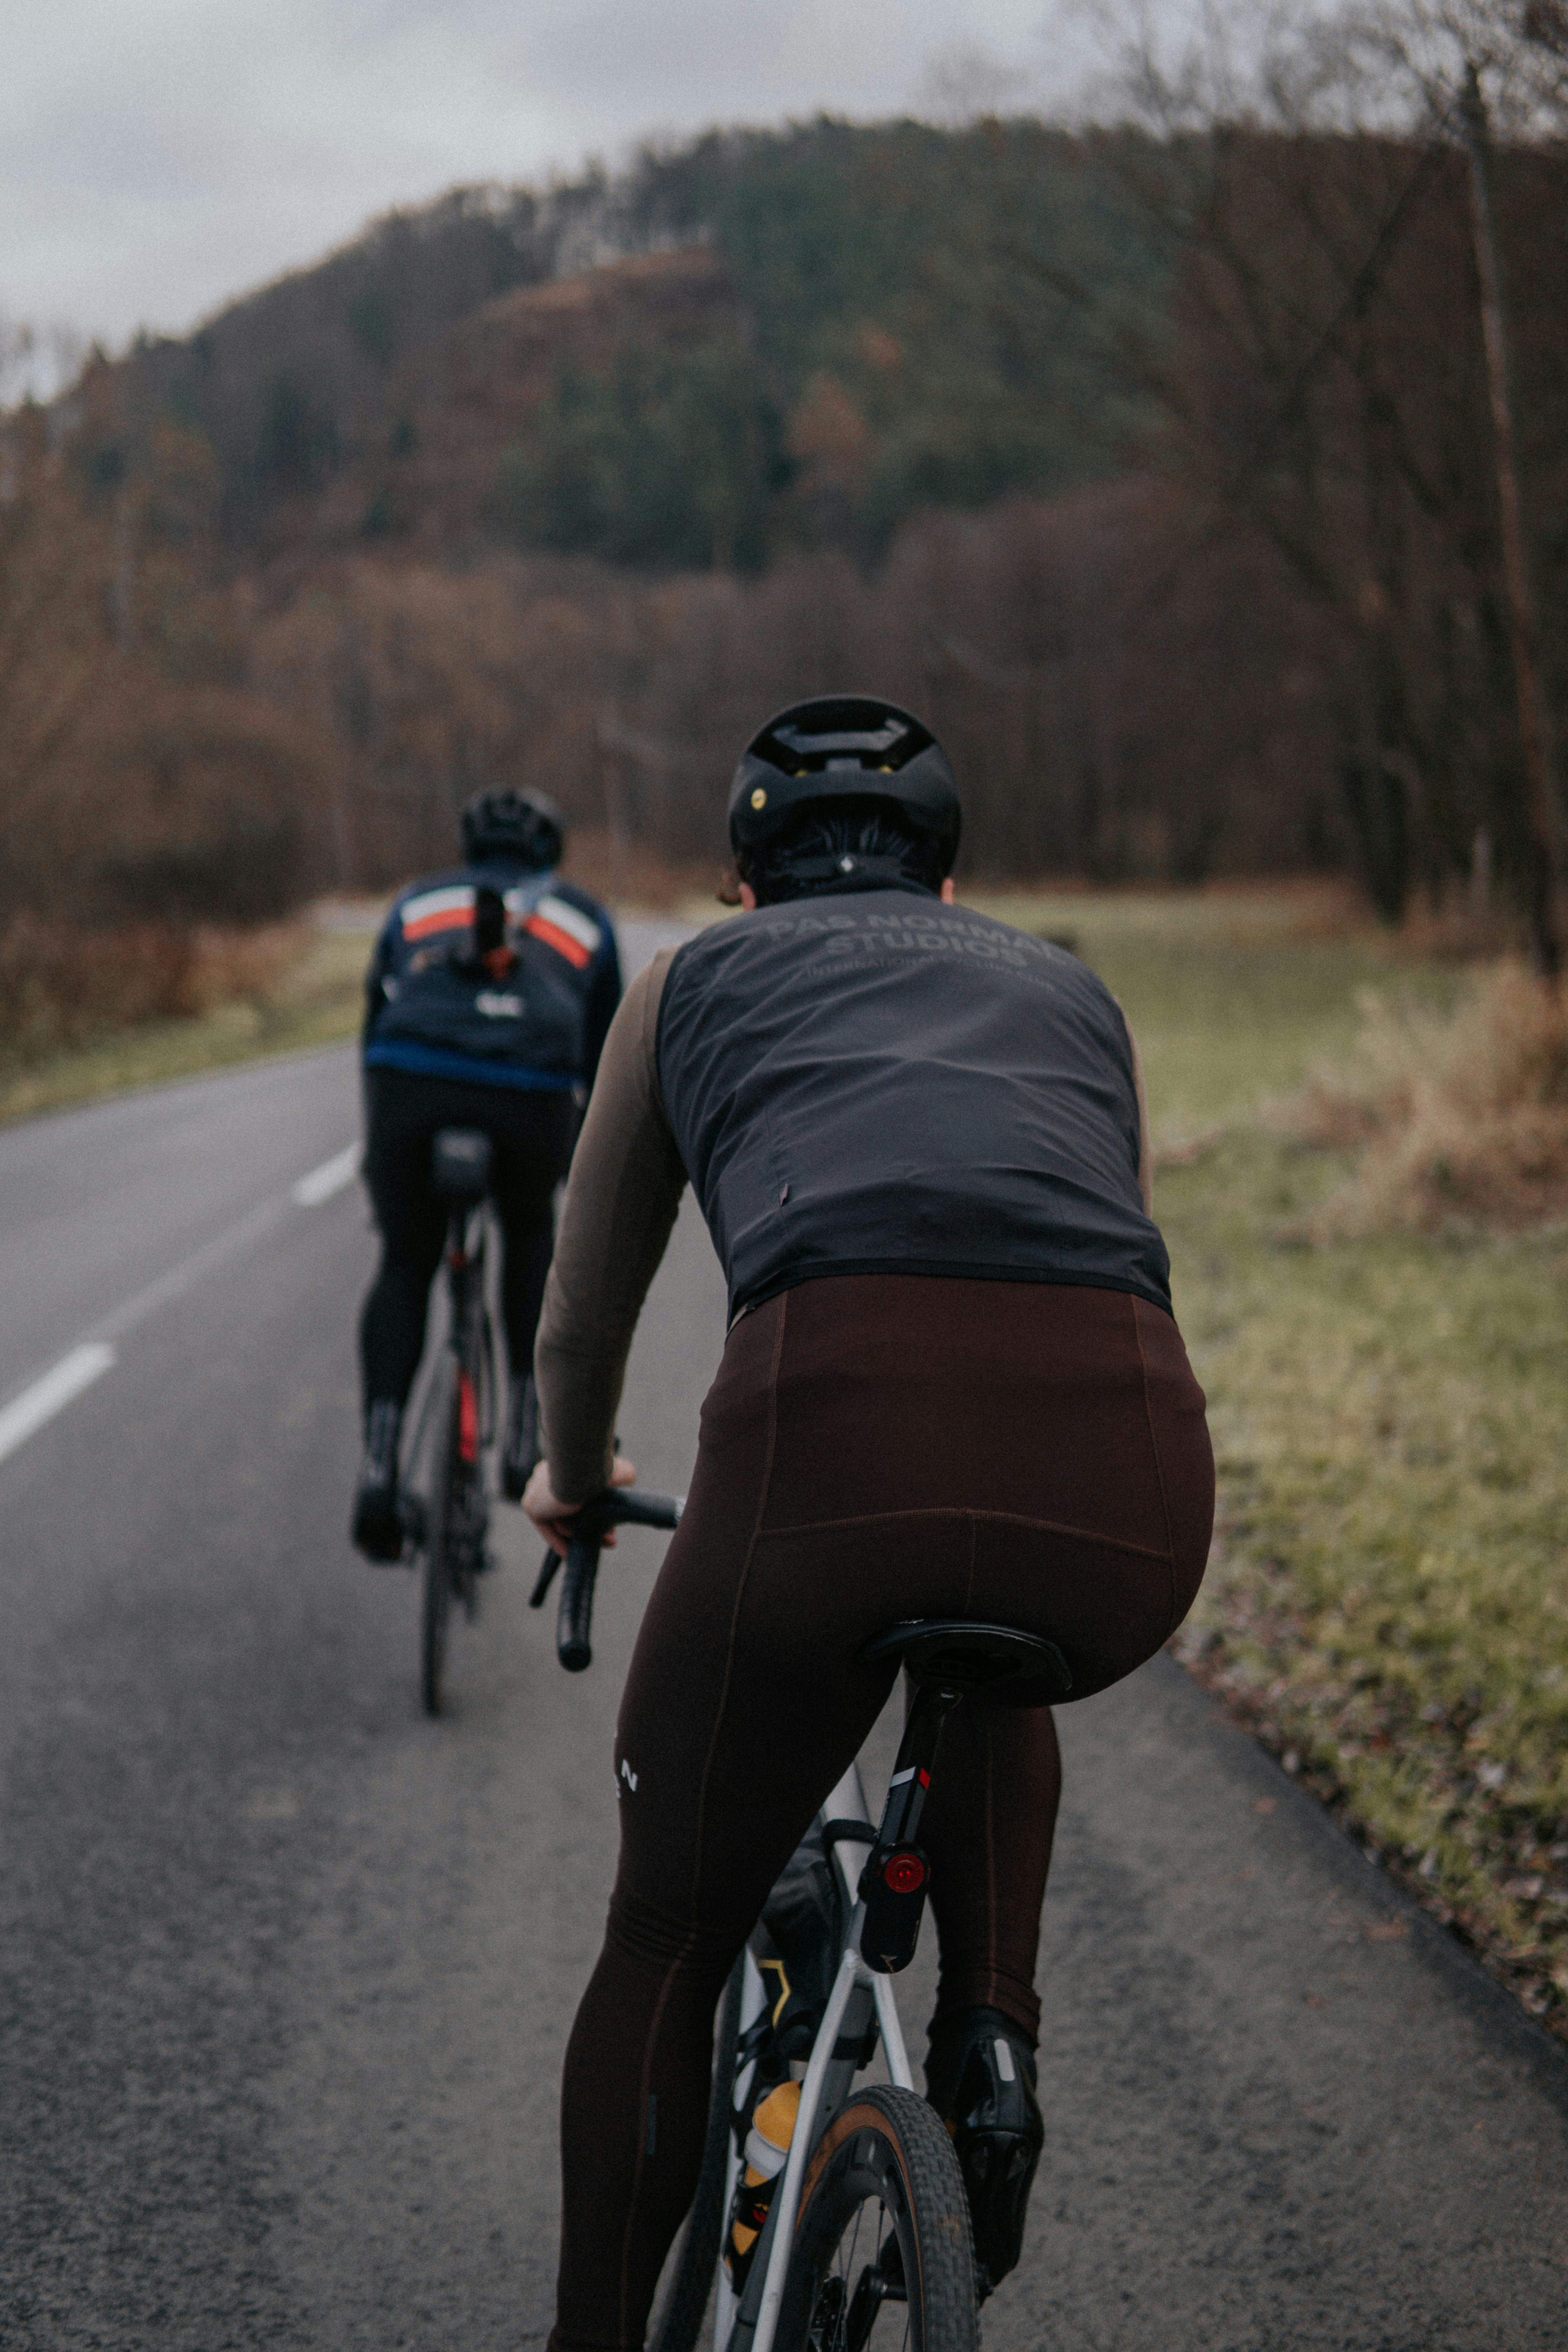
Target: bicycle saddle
(460, 1164)
(951, 1654)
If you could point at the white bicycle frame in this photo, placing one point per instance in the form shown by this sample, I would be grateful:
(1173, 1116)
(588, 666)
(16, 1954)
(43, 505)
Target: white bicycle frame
(848, 1802)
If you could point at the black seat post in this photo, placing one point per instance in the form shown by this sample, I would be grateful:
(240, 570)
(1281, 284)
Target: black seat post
(917, 1755)
(947, 1660)
(893, 1883)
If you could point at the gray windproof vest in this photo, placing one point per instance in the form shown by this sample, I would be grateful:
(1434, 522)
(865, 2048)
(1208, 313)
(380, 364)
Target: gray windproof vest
(879, 1084)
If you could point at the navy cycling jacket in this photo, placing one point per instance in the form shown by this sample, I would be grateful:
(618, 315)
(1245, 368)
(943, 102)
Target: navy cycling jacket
(875, 1083)
(532, 1016)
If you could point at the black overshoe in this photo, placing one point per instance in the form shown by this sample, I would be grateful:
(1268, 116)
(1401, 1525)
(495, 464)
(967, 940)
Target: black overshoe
(520, 1453)
(979, 2078)
(377, 1522)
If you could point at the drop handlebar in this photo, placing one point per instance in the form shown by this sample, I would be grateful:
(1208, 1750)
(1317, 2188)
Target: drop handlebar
(617, 1506)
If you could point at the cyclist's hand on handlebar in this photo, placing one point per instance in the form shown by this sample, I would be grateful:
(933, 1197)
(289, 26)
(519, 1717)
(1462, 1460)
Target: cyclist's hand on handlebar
(554, 1519)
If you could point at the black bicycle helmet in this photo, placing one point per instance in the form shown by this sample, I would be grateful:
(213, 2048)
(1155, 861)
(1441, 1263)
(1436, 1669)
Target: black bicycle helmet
(521, 825)
(844, 747)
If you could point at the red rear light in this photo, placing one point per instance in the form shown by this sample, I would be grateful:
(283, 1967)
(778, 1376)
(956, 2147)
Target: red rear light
(468, 1421)
(904, 1874)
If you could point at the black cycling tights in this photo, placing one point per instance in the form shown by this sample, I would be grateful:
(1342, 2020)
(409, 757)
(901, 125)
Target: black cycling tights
(532, 1135)
(874, 1447)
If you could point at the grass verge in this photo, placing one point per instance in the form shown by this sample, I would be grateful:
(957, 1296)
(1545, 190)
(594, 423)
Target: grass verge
(315, 1000)
(1387, 1604)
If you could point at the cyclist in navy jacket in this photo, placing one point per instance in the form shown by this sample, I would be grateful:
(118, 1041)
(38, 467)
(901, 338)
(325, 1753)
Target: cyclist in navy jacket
(488, 1001)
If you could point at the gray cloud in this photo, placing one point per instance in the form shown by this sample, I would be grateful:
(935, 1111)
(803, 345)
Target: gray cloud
(157, 156)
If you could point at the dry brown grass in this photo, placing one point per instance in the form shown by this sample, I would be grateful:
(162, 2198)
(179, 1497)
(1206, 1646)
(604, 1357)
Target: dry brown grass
(62, 986)
(1460, 1120)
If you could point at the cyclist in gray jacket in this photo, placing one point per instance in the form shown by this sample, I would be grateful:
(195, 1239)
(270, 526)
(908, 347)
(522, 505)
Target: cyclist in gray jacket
(953, 1386)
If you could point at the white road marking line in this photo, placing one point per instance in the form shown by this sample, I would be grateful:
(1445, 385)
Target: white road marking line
(55, 1388)
(50, 1391)
(328, 1177)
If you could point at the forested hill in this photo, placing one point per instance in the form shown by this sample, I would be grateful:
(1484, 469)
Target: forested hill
(863, 321)
(1161, 476)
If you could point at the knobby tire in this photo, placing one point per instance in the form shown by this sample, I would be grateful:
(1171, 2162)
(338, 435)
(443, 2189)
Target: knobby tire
(885, 2170)
(691, 2289)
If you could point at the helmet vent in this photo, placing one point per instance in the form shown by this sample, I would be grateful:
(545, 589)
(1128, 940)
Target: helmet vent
(862, 745)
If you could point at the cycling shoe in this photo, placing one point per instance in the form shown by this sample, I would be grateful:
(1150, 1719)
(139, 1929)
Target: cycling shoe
(521, 1451)
(979, 2078)
(378, 1521)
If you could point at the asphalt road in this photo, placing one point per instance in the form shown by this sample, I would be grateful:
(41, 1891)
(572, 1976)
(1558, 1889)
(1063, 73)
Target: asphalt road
(286, 1971)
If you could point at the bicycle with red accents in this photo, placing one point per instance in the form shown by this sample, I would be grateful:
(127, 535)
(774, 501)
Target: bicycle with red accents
(859, 2238)
(446, 1512)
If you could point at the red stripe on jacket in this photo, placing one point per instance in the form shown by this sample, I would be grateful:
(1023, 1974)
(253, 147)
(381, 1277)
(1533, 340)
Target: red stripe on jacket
(446, 919)
(540, 928)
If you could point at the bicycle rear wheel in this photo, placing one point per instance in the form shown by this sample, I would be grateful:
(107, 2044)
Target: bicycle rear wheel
(441, 1539)
(883, 2260)
(696, 2260)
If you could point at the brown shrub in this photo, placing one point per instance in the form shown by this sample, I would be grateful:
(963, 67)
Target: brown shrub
(62, 986)
(1462, 1118)
(229, 965)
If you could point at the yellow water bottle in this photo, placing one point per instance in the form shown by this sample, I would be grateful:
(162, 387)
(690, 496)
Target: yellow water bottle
(767, 2146)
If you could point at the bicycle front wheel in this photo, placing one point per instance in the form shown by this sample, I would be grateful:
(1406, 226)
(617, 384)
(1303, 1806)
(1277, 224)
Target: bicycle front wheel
(441, 1539)
(883, 2260)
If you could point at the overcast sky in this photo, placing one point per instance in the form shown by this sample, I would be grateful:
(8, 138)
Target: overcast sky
(159, 156)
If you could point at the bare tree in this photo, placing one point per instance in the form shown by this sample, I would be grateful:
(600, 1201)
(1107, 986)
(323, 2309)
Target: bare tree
(1339, 381)
(1466, 67)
